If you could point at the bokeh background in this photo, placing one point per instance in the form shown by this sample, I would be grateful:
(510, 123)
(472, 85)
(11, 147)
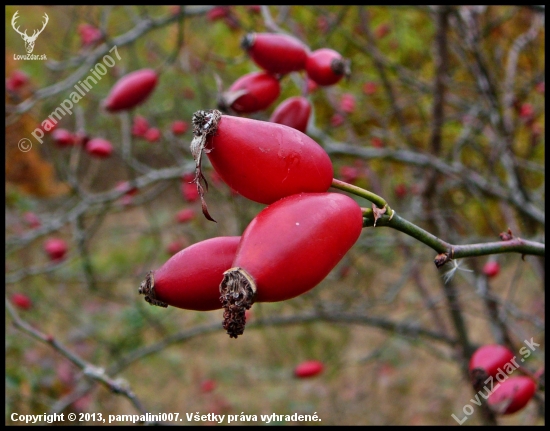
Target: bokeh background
(442, 115)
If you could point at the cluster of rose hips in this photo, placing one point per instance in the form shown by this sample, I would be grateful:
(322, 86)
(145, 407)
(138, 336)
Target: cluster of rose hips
(279, 55)
(488, 366)
(287, 249)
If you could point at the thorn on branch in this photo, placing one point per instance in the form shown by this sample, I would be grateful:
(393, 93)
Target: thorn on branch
(377, 212)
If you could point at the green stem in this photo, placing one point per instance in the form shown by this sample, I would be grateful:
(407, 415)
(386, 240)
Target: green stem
(358, 191)
(391, 219)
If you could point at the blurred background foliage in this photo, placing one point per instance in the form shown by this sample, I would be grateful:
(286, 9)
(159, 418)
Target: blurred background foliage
(475, 174)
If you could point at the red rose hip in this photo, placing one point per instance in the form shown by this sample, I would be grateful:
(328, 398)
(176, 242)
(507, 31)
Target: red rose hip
(293, 112)
(63, 137)
(131, 90)
(190, 279)
(287, 249)
(308, 369)
(250, 93)
(262, 161)
(487, 361)
(491, 268)
(56, 248)
(512, 395)
(276, 53)
(22, 301)
(326, 66)
(99, 147)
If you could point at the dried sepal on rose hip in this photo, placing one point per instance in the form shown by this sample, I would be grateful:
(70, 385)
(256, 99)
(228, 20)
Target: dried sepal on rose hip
(487, 361)
(276, 53)
(190, 279)
(262, 161)
(288, 249)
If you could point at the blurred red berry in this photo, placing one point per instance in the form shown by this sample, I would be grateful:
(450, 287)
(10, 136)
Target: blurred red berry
(347, 103)
(311, 85)
(349, 174)
(247, 315)
(99, 147)
(491, 268)
(185, 215)
(89, 34)
(400, 190)
(64, 138)
(254, 8)
(382, 30)
(152, 135)
(337, 120)
(179, 127)
(56, 248)
(31, 219)
(376, 142)
(208, 386)
(22, 301)
(512, 395)
(124, 186)
(217, 12)
(131, 90)
(369, 88)
(140, 126)
(189, 192)
(308, 369)
(526, 111)
(323, 24)
(17, 80)
(175, 246)
(188, 177)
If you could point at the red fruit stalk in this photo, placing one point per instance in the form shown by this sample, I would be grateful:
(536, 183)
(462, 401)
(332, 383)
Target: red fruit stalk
(262, 161)
(276, 53)
(131, 90)
(250, 93)
(190, 279)
(326, 66)
(293, 112)
(287, 249)
(512, 395)
(308, 369)
(487, 361)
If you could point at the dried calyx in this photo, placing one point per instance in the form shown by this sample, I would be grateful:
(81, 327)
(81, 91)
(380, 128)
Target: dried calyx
(147, 288)
(341, 66)
(247, 41)
(205, 123)
(237, 291)
(478, 376)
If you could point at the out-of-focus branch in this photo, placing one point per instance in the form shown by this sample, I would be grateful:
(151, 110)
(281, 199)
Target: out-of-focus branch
(117, 386)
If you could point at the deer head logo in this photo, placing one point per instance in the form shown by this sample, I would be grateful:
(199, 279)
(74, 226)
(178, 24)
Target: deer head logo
(29, 40)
